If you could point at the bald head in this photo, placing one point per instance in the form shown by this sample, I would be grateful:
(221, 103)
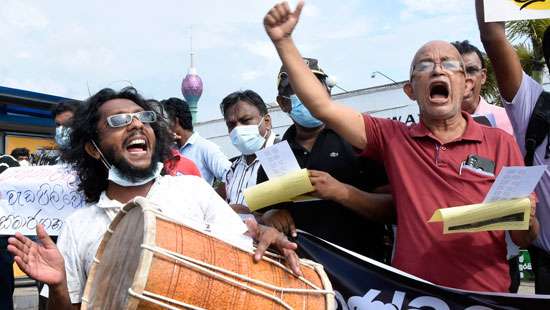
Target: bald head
(436, 47)
(437, 81)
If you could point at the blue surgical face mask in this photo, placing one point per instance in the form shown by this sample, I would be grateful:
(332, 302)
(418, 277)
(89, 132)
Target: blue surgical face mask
(117, 177)
(62, 135)
(300, 114)
(247, 138)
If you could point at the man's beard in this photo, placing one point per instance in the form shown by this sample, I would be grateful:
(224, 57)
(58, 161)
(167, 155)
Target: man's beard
(132, 173)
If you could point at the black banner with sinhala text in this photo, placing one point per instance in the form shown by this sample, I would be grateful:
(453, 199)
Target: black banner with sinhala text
(362, 283)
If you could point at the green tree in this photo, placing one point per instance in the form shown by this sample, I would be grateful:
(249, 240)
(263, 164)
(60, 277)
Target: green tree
(526, 36)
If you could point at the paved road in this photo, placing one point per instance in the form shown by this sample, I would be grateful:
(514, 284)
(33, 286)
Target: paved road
(25, 298)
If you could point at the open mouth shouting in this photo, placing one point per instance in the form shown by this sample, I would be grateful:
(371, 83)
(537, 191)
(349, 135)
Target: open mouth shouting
(137, 145)
(439, 92)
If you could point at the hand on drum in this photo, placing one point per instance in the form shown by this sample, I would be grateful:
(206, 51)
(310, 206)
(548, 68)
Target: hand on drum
(41, 261)
(267, 236)
(281, 220)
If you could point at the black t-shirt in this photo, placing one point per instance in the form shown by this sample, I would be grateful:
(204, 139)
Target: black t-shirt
(327, 219)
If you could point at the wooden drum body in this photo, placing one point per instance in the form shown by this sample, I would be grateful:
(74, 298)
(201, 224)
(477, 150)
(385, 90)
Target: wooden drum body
(148, 261)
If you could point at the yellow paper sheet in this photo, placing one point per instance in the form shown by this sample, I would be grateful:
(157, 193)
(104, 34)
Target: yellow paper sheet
(498, 215)
(278, 190)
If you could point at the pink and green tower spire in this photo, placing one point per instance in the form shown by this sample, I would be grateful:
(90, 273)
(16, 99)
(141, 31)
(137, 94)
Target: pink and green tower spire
(191, 88)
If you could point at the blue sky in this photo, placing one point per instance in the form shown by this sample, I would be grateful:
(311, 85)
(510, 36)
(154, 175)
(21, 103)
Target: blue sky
(67, 47)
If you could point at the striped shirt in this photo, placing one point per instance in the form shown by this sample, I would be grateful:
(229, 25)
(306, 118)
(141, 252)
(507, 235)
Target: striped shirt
(242, 176)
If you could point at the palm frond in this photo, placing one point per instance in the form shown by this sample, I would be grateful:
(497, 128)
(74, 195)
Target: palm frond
(489, 90)
(527, 36)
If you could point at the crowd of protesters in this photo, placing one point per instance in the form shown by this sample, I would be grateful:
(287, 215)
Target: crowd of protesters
(369, 173)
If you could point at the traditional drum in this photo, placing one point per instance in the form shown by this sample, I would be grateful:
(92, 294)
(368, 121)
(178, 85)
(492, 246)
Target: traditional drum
(149, 261)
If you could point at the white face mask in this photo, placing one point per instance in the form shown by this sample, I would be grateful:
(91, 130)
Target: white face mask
(117, 177)
(247, 138)
(24, 163)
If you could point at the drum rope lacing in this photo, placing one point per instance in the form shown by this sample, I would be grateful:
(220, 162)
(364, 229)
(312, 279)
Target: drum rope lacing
(194, 264)
(277, 263)
(150, 297)
(205, 268)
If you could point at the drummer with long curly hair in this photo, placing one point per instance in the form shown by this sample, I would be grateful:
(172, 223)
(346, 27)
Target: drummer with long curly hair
(117, 146)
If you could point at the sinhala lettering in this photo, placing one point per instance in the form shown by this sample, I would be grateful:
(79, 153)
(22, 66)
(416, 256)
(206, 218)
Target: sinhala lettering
(18, 222)
(45, 195)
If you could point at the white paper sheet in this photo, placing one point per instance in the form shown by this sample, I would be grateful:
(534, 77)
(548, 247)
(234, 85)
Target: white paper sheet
(278, 160)
(37, 195)
(515, 182)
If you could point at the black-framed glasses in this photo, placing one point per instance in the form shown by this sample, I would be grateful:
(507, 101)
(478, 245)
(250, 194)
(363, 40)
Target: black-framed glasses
(124, 119)
(451, 65)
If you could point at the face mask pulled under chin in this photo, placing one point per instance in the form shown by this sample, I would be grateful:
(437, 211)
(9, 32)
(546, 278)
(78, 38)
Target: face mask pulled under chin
(116, 176)
(247, 138)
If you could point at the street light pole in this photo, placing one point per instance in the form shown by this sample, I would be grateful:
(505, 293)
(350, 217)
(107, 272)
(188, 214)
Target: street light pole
(373, 75)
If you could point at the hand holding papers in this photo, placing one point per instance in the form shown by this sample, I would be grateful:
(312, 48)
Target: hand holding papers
(506, 206)
(287, 182)
(498, 215)
(278, 190)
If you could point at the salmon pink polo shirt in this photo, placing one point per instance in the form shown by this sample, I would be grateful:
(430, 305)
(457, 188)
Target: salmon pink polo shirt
(425, 175)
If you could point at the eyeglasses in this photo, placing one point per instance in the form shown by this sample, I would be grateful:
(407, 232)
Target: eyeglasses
(124, 119)
(473, 70)
(450, 65)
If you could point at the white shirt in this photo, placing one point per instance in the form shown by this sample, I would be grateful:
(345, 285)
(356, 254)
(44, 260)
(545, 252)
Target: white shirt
(185, 198)
(208, 157)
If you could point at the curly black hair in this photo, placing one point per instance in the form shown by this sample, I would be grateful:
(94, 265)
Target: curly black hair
(91, 172)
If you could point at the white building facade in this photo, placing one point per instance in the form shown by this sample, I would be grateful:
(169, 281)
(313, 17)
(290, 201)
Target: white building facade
(388, 101)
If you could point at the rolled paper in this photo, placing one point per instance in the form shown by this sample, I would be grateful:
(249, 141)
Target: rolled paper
(282, 189)
(498, 215)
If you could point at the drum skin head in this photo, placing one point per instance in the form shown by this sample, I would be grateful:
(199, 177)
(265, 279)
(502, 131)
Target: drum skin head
(119, 263)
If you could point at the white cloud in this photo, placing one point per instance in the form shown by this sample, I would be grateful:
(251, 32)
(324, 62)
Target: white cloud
(310, 10)
(23, 55)
(251, 75)
(434, 6)
(60, 47)
(37, 84)
(22, 14)
(264, 49)
(414, 8)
